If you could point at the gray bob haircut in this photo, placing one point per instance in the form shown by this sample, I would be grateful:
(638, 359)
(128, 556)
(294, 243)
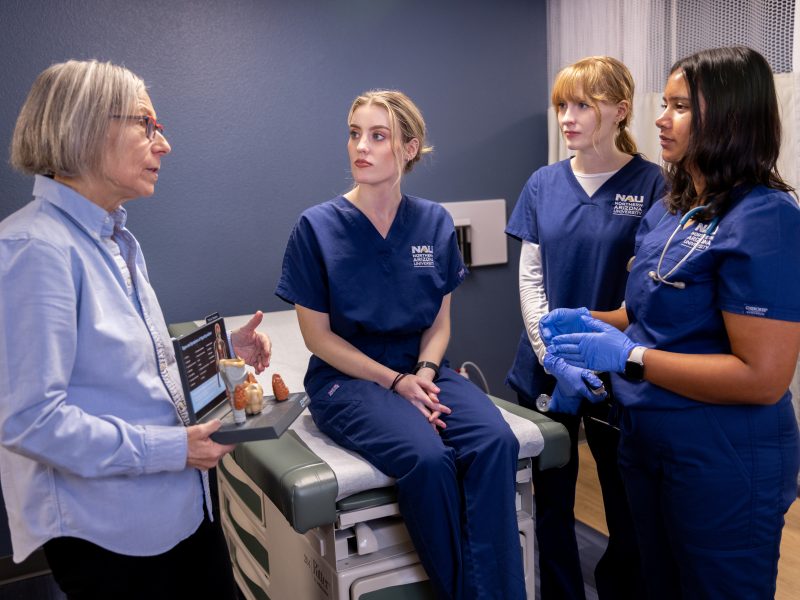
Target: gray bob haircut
(63, 125)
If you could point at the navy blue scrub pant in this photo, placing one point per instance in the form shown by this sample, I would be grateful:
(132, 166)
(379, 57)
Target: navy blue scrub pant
(618, 573)
(456, 490)
(708, 488)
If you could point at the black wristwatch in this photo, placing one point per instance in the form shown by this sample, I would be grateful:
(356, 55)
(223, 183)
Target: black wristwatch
(427, 364)
(634, 366)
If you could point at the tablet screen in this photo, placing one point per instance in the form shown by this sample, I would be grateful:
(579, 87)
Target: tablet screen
(197, 354)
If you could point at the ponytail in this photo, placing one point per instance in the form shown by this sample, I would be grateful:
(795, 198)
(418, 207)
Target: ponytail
(624, 142)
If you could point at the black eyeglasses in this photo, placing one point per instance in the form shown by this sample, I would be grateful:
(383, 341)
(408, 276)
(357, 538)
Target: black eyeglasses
(150, 124)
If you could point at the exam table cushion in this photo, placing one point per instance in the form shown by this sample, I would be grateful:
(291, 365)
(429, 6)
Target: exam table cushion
(309, 490)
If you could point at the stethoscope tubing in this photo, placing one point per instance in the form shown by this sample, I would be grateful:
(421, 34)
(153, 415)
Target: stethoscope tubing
(712, 226)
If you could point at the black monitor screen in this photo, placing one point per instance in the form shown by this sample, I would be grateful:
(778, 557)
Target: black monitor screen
(197, 354)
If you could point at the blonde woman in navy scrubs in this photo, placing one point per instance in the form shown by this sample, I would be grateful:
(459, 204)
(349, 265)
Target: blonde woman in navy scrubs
(709, 450)
(370, 274)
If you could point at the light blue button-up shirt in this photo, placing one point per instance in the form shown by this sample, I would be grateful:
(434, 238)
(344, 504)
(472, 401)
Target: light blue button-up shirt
(92, 437)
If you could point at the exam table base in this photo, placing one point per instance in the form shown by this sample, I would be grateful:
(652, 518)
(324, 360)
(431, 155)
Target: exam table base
(365, 555)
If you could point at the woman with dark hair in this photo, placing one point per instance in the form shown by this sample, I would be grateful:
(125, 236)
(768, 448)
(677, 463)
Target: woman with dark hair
(709, 450)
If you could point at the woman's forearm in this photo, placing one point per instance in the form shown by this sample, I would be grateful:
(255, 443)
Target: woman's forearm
(616, 318)
(757, 371)
(337, 352)
(435, 339)
(532, 296)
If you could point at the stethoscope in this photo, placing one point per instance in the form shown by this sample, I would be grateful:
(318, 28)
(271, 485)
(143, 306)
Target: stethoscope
(712, 226)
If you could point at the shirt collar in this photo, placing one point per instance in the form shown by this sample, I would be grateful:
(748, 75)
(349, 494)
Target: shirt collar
(97, 221)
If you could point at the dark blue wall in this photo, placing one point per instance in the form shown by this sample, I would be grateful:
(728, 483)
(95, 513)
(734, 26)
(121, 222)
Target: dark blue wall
(254, 95)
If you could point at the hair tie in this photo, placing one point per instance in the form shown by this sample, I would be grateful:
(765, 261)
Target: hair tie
(397, 380)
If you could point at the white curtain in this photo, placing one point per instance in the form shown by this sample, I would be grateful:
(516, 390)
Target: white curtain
(650, 35)
(637, 32)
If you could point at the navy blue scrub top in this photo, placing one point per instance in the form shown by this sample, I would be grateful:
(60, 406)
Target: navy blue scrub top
(380, 294)
(750, 265)
(585, 244)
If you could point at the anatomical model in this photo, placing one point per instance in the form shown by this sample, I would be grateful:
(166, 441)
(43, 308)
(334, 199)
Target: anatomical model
(244, 392)
(279, 388)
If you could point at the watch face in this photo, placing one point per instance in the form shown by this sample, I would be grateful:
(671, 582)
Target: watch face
(634, 371)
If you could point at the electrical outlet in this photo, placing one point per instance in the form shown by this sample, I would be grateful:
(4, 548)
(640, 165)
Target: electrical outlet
(487, 223)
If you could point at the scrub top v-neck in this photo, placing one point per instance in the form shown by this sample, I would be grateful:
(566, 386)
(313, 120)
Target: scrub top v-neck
(380, 293)
(585, 244)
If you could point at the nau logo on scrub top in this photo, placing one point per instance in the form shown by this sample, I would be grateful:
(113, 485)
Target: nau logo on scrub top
(422, 256)
(698, 238)
(628, 206)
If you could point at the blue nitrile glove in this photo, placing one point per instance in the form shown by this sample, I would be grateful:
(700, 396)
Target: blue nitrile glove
(573, 385)
(605, 348)
(562, 320)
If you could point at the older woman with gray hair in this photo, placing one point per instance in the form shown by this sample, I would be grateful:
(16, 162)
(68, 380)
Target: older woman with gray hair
(98, 461)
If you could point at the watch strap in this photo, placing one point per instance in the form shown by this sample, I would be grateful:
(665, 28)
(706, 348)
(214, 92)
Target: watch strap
(423, 364)
(637, 355)
(634, 365)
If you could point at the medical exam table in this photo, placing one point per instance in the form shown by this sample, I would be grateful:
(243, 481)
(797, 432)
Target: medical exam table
(307, 520)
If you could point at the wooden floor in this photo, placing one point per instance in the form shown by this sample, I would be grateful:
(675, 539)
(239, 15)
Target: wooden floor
(589, 510)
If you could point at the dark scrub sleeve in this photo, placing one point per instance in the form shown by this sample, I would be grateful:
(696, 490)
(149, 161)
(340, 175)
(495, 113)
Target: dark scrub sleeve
(522, 224)
(456, 271)
(304, 280)
(758, 274)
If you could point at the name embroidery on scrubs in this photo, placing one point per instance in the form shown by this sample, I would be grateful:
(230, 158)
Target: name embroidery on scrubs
(627, 205)
(422, 256)
(699, 234)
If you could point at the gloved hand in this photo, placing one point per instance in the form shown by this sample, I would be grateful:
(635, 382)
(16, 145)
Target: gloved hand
(603, 348)
(573, 385)
(560, 321)
(562, 403)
